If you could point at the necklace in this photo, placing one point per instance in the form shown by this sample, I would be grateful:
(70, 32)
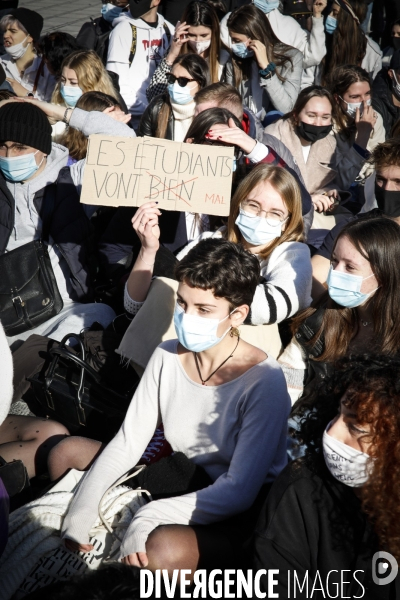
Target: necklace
(204, 381)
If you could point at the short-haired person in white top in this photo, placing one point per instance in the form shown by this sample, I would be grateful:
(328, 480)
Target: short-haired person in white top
(223, 403)
(265, 218)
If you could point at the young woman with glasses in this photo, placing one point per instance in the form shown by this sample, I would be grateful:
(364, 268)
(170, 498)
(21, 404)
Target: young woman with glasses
(265, 218)
(169, 115)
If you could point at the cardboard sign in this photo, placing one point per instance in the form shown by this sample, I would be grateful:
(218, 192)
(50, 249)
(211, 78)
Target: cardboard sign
(124, 171)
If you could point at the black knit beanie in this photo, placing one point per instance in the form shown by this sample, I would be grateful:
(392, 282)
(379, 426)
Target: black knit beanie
(30, 19)
(27, 124)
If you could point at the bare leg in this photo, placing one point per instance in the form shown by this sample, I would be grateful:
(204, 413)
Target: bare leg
(30, 439)
(72, 453)
(182, 547)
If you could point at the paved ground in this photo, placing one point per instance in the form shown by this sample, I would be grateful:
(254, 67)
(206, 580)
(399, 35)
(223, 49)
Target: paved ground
(64, 16)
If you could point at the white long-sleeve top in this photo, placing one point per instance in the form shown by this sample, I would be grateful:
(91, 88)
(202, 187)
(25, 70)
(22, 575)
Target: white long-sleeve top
(6, 376)
(288, 31)
(235, 431)
(152, 44)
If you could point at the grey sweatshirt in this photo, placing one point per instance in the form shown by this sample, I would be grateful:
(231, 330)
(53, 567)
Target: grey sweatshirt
(235, 431)
(28, 224)
(262, 95)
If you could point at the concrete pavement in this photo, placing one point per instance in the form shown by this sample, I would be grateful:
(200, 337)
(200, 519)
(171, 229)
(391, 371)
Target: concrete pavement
(64, 16)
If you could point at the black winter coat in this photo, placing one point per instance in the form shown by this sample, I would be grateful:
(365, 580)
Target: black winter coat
(149, 120)
(313, 525)
(382, 100)
(69, 227)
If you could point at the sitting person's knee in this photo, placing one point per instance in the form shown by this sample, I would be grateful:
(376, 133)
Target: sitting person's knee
(49, 428)
(167, 547)
(72, 453)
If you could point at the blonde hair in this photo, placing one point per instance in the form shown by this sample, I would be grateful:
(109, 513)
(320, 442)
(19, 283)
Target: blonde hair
(286, 185)
(91, 74)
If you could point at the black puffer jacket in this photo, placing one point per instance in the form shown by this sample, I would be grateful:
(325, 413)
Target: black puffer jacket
(382, 100)
(149, 120)
(313, 532)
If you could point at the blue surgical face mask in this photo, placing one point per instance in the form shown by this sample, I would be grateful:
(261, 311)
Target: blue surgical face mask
(344, 288)
(178, 94)
(258, 230)
(241, 50)
(19, 168)
(110, 12)
(197, 333)
(71, 94)
(330, 24)
(266, 5)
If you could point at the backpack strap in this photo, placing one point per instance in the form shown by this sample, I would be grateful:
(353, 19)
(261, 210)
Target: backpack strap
(134, 43)
(134, 40)
(307, 331)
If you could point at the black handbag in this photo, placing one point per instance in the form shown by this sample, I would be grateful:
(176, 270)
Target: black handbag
(71, 392)
(16, 481)
(29, 294)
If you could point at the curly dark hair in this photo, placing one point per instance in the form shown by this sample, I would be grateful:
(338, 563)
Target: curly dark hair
(372, 388)
(227, 269)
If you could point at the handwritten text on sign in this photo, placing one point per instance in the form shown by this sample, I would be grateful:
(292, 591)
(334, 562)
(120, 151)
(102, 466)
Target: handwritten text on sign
(123, 171)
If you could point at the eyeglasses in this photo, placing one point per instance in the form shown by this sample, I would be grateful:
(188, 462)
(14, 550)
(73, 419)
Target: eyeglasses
(253, 209)
(182, 81)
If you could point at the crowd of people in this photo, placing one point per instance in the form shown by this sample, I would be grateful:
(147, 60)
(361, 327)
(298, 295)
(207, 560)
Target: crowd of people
(248, 363)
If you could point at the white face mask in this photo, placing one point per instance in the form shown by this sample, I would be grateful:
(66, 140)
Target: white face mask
(352, 107)
(200, 47)
(18, 50)
(396, 85)
(346, 464)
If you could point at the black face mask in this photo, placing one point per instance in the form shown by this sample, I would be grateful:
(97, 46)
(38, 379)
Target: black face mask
(313, 133)
(396, 43)
(137, 9)
(388, 201)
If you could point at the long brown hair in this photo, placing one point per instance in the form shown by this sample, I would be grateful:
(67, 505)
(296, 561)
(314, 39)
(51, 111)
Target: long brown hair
(198, 69)
(378, 240)
(75, 140)
(286, 185)
(347, 44)
(203, 14)
(90, 71)
(338, 83)
(251, 21)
